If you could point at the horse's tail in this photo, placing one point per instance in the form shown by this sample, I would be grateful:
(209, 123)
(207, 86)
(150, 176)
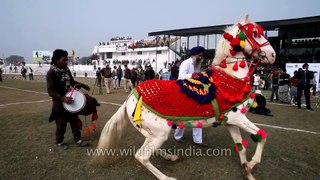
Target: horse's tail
(114, 129)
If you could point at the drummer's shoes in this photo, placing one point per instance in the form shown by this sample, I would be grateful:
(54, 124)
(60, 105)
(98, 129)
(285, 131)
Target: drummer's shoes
(62, 146)
(81, 143)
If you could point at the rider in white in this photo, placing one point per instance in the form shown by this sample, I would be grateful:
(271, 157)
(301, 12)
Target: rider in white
(187, 68)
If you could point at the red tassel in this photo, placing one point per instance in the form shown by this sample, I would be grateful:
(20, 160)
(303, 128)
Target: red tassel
(244, 143)
(233, 52)
(235, 41)
(235, 66)
(79, 124)
(93, 127)
(223, 64)
(228, 36)
(242, 64)
(246, 89)
(94, 115)
(181, 125)
(246, 79)
(86, 132)
(239, 98)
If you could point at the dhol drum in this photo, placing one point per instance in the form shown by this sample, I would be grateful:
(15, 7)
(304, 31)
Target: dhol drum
(82, 104)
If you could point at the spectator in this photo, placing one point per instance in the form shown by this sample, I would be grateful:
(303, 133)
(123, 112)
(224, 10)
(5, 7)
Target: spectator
(24, 72)
(127, 78)
(175, 70)
(284, 83)
(98, 80)
(106, 73)
(261, 105)
(140, 75)
(30, 73)
(149, 73)
(134, 77)
(119, 75)
(294, 81)
(304, 76)
(266, 81)
(275, 85)
(256, 81)
(313, 82)
(114, 77)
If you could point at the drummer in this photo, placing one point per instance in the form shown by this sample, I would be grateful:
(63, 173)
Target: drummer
(59, 82)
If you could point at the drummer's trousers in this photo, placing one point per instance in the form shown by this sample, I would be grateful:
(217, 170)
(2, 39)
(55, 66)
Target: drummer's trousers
(61, 125)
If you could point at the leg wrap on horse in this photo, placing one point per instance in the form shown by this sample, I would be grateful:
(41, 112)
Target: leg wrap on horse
(261, 134)
(239, 146)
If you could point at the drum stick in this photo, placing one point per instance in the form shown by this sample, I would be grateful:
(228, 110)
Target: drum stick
(73, 88)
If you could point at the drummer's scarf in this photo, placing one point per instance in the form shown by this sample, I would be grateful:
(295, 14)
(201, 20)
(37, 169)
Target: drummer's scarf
(61, 72)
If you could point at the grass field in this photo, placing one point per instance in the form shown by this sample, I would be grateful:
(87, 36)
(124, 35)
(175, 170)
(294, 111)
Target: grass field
(28, 151)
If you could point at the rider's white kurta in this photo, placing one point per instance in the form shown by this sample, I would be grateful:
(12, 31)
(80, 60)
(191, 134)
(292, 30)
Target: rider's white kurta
(186, 69)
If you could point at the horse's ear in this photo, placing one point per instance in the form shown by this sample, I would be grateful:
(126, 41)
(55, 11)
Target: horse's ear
(244, 19)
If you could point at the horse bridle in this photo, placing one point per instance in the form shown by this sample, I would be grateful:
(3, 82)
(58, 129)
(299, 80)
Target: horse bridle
(256, 47)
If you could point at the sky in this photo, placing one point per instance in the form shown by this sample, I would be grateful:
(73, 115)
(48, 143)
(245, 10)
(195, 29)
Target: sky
(28, 25)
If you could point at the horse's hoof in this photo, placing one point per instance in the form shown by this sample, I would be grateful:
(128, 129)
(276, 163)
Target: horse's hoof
(174, 158)
(246, 170)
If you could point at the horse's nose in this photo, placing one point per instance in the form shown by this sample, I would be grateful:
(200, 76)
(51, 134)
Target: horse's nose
(273, 55)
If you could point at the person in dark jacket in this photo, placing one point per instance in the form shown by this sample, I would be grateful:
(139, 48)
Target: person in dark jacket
(304, 76)
(261, 105)
(149, 73)
(284, 83)
(59, 82)
(175, 70)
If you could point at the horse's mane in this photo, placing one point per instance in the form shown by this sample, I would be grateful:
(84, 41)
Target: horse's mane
(223, 45)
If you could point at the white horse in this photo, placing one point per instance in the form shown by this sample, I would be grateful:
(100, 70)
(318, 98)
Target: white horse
(242, 45)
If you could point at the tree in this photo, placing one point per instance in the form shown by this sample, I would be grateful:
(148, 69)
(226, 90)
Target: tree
(15, 59)
(85, 60)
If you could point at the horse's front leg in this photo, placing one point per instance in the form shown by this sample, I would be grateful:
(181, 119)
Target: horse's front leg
(240, 146)
(257, 135)
(239, 143)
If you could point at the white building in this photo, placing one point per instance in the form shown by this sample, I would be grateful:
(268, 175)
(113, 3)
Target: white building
(155, 52)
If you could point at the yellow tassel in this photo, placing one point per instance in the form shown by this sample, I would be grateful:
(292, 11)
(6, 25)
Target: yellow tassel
(242, 44)
(254, 104)
(137, 113)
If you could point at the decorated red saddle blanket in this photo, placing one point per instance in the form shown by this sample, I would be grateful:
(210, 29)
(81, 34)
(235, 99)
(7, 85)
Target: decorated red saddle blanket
(177, 100)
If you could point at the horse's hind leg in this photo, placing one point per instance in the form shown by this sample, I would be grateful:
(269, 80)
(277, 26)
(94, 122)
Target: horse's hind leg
(149, 147)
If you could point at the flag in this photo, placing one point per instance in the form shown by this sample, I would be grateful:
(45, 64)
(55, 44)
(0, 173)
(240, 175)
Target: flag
(73, 55)
(266, 34)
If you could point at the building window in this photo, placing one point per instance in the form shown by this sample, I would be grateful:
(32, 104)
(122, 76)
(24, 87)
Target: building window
(139, 52)
(158, 52)
(109, 55)
(123, 54)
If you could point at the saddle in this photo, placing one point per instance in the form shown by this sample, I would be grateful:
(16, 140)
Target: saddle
(169, 98)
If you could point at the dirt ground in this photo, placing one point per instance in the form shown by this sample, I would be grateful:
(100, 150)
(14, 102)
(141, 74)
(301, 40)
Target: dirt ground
(28, 152)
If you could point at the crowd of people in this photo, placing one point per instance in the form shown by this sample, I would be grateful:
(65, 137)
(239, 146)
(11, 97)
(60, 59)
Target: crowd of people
(112, 77)
(286, 89)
